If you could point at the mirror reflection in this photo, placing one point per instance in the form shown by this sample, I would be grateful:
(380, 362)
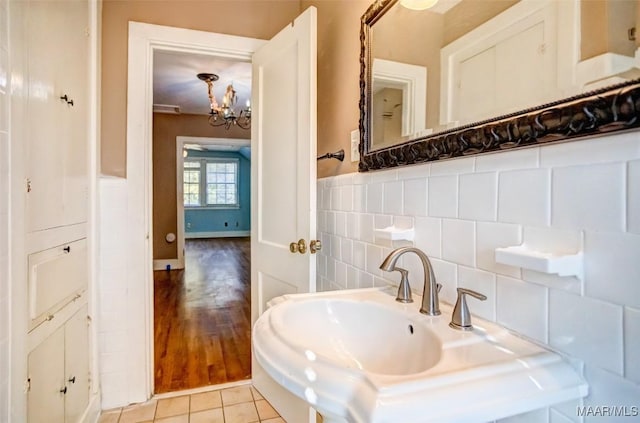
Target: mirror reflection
(463, 61)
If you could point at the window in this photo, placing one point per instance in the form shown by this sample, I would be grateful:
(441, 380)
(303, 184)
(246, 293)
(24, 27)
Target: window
(191, 183)
(211, 183)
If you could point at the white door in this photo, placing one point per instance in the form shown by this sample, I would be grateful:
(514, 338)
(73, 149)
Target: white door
(283, 181)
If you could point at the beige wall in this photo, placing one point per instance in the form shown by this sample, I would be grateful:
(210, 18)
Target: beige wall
(250, 18)
(165, 130)
(338, 78)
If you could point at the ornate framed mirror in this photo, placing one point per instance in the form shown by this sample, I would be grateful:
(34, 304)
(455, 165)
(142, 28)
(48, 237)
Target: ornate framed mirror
(467, 77)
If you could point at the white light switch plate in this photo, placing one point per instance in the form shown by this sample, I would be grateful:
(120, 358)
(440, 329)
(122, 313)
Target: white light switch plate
(355, 141)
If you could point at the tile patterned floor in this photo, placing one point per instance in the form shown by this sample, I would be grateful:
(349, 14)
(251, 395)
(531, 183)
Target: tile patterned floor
(241, 404)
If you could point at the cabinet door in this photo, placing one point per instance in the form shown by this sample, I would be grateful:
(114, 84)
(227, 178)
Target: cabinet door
(45, 147)
(57, 56)
(45, 401)
(75, 79)
(76, 361)
(56, 277)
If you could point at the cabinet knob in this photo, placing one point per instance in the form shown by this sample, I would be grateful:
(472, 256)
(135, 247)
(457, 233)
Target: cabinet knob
(67, 249)
(72, 379)
(63, 391)
(66, 99)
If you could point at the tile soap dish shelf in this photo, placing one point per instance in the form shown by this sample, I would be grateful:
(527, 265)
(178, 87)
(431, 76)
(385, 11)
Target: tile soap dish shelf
(392, 233)
(562, 264)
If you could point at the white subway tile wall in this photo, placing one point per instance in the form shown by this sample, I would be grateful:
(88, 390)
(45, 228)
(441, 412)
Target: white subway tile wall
(633, 197)
(523, 307)
(596, 190)
(588, 328)
(112, 289)
(579, 196)
(5, 96)
(632, 349)
(524, 197)
(443, 196)
(479, 196)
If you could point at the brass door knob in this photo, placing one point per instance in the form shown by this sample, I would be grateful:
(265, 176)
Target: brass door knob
(315, 246)
(298, 247)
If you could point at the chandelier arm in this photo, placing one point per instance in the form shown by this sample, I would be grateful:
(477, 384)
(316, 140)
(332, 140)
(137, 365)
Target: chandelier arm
(214, 122)
(244, 125)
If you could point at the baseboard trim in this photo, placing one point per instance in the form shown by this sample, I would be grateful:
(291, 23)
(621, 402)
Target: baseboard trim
(217, 234)
(172, 263)
(92, 413)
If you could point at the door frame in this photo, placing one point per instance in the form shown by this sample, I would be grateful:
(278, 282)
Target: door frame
(144, 39)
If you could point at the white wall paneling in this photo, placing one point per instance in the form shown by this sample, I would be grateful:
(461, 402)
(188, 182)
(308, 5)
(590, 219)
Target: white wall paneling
(112, 290)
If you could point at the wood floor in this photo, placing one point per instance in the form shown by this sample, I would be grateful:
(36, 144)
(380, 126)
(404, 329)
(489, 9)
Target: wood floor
(202, 316)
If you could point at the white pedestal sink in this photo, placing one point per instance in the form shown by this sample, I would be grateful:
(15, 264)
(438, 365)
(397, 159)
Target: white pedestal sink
(360, 356)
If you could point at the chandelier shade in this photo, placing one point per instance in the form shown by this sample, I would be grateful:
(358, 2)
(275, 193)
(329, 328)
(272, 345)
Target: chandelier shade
(418, 4)
(225, 115)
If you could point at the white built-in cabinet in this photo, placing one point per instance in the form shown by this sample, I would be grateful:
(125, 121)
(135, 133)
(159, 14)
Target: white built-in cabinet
(521, 58)
(59, 373)
(57, 59)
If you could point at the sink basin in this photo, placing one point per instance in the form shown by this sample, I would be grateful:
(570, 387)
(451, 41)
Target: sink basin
(360, 356)
(357, 335)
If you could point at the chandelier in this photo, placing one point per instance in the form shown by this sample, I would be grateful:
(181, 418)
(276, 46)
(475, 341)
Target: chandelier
(225, 115)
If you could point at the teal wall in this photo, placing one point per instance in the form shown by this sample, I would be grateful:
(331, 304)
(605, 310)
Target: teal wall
(214, 220)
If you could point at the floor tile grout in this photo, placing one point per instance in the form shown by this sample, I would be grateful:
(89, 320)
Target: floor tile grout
(233, 394)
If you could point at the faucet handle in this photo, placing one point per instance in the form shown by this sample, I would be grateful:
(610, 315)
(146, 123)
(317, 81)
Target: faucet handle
(404, 289)
(461, 319)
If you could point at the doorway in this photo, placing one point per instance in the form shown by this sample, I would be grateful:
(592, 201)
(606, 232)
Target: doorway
(144, 40)
(202, 314)
(201, 227)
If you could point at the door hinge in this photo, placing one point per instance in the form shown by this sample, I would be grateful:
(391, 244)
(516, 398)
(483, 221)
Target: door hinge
(27, 386)
(28, 185)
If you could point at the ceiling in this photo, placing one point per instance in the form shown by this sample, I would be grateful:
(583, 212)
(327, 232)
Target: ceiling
(175, 80)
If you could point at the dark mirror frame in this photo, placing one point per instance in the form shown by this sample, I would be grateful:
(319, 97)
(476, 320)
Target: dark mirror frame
(607, 110)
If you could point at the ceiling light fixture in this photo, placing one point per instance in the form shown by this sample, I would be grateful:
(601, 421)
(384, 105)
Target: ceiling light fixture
(418, 4)
(225, 115)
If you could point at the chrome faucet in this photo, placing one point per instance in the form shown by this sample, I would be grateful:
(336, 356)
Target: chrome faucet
(430, 303)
